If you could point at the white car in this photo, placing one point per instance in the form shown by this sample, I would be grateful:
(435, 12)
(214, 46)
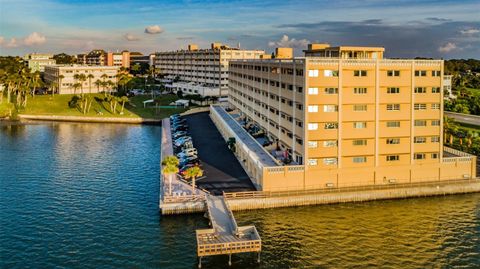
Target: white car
(187, 153)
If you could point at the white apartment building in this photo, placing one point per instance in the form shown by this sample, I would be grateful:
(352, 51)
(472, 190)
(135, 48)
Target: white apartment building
(97, 83)
(447, 86)
(206, 68)
(38, 61)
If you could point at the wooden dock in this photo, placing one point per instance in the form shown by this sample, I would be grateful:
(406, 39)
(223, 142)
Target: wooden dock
(225, 237)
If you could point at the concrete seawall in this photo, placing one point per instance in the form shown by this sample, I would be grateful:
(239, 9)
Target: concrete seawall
(333, 197)
(89, 119)
(354, 196)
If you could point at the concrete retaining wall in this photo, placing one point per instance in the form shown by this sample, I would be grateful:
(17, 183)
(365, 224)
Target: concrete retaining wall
(354, 196)
(89, 119)
(183, 208)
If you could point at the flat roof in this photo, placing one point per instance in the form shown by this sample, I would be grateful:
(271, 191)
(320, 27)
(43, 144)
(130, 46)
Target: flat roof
(261, 154)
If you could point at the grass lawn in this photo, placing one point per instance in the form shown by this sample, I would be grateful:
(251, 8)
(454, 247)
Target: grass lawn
(474, 92)
(58, 105)
(5, 109)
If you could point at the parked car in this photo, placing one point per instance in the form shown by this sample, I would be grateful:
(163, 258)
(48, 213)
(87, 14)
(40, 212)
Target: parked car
(191, 152)
(180, 128)
(175, 116)
(182, 140)
(186, 145)
(179, 134)
(187, 162)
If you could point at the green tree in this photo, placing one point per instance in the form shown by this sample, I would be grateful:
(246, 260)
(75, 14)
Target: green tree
(193, 173)
(124, 100)
(90, 77)
(170, 168)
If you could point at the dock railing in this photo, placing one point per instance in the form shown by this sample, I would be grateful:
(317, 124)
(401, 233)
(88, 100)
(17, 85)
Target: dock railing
(287, 193)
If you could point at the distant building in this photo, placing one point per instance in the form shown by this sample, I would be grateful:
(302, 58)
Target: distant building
(53, 72)
(38, 61)
(447, 86)
(139, 58)
(206, 68)
(119, 59)
(101, 57)
(344, 52)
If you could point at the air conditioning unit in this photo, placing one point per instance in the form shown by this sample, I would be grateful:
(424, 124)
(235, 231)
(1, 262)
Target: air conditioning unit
(329, 185)
(466, 176)
(392, 180)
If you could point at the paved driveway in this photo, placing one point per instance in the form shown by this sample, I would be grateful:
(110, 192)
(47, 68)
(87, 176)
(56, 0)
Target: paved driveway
(221, 169)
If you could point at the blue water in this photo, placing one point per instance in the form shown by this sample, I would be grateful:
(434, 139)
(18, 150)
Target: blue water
(86, 196)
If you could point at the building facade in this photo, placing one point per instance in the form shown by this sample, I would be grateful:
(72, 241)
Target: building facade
(203, 67)
(38, 61)
(95, 84)
(121, 59)
(346, 121)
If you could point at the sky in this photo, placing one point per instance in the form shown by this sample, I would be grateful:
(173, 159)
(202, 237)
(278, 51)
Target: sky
(406, 28)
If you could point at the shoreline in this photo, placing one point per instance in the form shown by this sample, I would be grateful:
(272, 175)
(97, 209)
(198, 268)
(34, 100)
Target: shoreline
(82, 119)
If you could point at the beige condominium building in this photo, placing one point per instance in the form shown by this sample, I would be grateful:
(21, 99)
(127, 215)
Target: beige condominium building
(38, 61)
(341, 116)
(205, 69)
(90, 85)
(101, 57)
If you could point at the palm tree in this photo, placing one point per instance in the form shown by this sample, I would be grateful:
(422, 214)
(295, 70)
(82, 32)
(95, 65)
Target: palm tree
(60, 78)
(450, 128)
(36, 82)
(90, 77)
(98, 83)
(193, 173)
(170, 168)
(124, 100)
(52, 87)
(82, 78)
(104, 77)
(75, 87)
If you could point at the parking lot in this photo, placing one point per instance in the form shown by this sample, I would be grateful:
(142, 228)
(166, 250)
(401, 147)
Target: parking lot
(222, 170)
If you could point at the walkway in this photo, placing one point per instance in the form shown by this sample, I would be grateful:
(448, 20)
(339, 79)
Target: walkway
(222, 171)
(225, 237)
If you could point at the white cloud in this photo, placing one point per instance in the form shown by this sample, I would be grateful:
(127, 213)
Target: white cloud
(12, 43)
(130, 37)
(447, 47)
(285, 41)
(470, 31)
(34, 39)
(153, 29)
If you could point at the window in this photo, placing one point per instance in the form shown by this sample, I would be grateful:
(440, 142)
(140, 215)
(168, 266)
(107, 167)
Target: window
(393, 124)
(313, 73)
(420, 73)
(435, 122)
(435, 106)
(330, 108)
(359, 107)
(359, 90)
(434, 156)
(312, 161)
(359, 142)
(330, 161)
(331, 125)
(436, 73)
(330, 73)
(419, 140)
(420, 106)
(419, 156)
(393, 73)
(420, 123)
(420, 90)
(435, 89)
(312, 144)
(361, 159)
(392, 158)
(360, 73)
(435, 139)
(312, 126)
(313, 108)
(393, 107)
(393, 141)
(393, 90)
(331, 90)
(359, 125)
(329, 143)
(313, 91)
